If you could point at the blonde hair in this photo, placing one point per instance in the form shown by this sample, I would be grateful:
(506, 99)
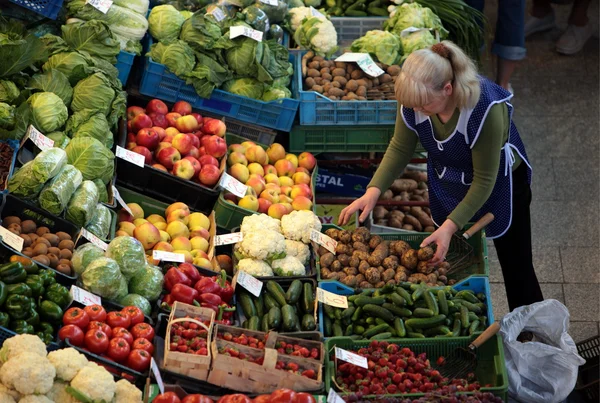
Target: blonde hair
(426, 71)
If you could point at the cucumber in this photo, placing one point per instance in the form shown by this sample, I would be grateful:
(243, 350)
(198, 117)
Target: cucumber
(374, 330)
(277, 292)
(327, 331)
(473, 317)
(423, 313)
(456, 328)
(348, 312)
(245, 324)
(270, 302)
(362, 301)
(259, 305)
(467, 295)
(397, 299)
(253, 323)
(396, 310)
(308, 298)
(399, 327)
(274, 316)
(329, 311)
(348, 331)
(382, 336)
(418, 293)
(443, 304)
(431, 302)
(358, 329)
(293, 292)
(472, 307)
(264, 324)
(379, 321)
(379, 312)
(247, 305)
(415, 335)
(337, 330)
(464, 316)
(308, 323)
(425, 323)
(473, 327)
(289, 318)
(356, 315)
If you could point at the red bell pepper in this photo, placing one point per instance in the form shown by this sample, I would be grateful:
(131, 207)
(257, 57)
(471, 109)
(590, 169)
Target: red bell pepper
(190, 271)
(224, 315)
(183, 293)
(225, 289)
(207, 285)
(174, 277)
(212, 299)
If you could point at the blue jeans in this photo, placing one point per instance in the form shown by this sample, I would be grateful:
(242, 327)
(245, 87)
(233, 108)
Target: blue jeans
(509, 42)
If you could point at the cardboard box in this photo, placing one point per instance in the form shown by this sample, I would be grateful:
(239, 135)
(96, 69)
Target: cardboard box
(330, 214)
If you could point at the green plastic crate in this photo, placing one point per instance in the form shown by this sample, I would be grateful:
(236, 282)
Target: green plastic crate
(148, 204)
(491, 368)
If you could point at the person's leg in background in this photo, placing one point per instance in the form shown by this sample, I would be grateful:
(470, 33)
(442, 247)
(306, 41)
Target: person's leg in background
(509, 42)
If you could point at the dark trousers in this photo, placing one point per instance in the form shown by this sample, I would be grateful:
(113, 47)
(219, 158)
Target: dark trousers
(514, 247)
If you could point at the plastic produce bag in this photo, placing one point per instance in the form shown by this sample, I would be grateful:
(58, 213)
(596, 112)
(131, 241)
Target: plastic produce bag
(84, 255)
(100, 224)
(103, 277)
(544, 370)
(56, 194)
(23, 184)
(82, 205)
(129, 254)
(102, 192)
(48, 163)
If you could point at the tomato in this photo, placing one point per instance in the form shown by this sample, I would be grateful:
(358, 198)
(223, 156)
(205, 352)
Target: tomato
(123, 333)
(135, 314)
(283, 396)
(77, 317)
(73, 333)
(118, 319)
(196, 398)
(143, 344)
(96, 341)
(96, 312)
(138, 360)
(262, 399)
(102, 326)
(143, 331)
(237, 398)
(305, 398)
(118, 349)
(168, 397)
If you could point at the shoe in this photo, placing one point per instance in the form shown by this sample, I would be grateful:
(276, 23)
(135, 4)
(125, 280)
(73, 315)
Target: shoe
(574, 39)
(535, 24)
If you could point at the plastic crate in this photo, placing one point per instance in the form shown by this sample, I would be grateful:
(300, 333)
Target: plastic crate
(246, 131)
(351, 28)
(491, 368)
(318, 110)
(158, 82)
(47, 8)
(382, 229)
(124, 63)
(340, 139)
(588, 378)
(14, 144)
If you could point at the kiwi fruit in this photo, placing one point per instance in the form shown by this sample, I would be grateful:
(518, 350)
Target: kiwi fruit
(28, 226)
(15, 228)
(65, 261)
(44, 241)
(42, 259)
(26, 240)
(11, 220)
(66, 254)
(54, 250)
(27, 252)
(53, 239)
(40, 249)
(53, 259)
(64, 269)
(63, 236)
(33, 237)
(66, 244)
(42, 230)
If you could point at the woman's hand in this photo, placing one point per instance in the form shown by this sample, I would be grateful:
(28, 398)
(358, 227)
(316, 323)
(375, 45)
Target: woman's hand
(366, 204)
(441, 237)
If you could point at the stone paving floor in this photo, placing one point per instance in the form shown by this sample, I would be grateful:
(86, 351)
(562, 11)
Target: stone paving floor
(557, 112)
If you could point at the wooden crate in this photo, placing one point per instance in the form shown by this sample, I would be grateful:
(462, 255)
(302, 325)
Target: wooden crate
(192, 365)
(274, 337)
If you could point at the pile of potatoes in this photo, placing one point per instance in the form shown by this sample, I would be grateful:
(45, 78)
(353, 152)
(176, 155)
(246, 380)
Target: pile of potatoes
(42, 246)
(364, 260)
(411, 186)
(346, 81)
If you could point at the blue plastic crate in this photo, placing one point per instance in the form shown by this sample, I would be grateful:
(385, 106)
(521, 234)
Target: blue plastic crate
(158, 82)
(477, 284)
(47, 8)
(124, 63)
(318, 110)
(14, 144)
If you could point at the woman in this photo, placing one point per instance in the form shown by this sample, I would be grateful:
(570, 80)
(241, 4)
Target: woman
(476, 160)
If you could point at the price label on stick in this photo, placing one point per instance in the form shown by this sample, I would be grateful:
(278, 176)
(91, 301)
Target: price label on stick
(315, 13)
(12, 240)
(217, 13)
(249, 282)
(85, 297)
(168, 256)
(352, 358)
(227, 239)
(101, 5)
(239, 30)
(333, 397)
(364, 61)
(41, 141)
(117, 196)
(329, 298)
(130, 156)
(157, 375)
(236, 187)
(323, 240)
(94, 239)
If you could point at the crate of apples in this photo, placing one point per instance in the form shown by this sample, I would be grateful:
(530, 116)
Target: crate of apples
(179, 141)
(278, 182)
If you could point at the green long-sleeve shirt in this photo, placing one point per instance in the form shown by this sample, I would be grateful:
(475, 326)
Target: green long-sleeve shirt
(485, 156)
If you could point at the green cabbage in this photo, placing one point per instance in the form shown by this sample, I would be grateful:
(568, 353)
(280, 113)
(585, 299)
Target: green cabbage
(136, 300)
(164, 23)
(55, 44)
(177, 56)
(82, 206)
(276, 13)
(90, 123)
(275, 93)
(84, 255)
(53, 80)
(56, 194)
(94, 37)
(186, 14)
(103, 277)
(416, 16)
(139, 6)
(200, 32)
(94, 92)
(416, 40)
(102, 193)
(74, 65)
(23, 184)
(128, 252)
(101, 222)
(7, 116)
(247, 87)
(148, 283)
(208, 74)
(60, 139)
(8, 91)
(48, 163)
(19, 53)
(48, 111)
(93, 159)
(382, 45)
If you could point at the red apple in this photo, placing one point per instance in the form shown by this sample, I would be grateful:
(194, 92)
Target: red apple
(140, 122)
(195, 163)
(145, 152)
(147, 138)
(195, 140)
(228, 196)
(202, 151)
(172, 118)
(209, 175)
(208, 160)
(186, 124)
(215, 127)
(216, 146)
(183, 142)
(307, 160)
(183, 169)
(194, 153)
(300, 169)
(160, 131)
(133, 111)
(198, 117)
(129, 128)
(159, 120)
(159, 167)
(161, 145)
(157, 106)
(204, 140)
(168, 138)
(124, 216)
(263, 205)
(168, 156)
(131, 145)
(131, 137)
(182, 107)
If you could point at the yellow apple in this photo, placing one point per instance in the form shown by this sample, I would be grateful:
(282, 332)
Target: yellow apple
(178, 215)
(176, 206)
(164, 236)
(256, 169)
(163, 246)
(202, 262)
(181, 243)
(197, 253)
(198, 220)
(187, 255)
(286, 181)
(122, 233)
(136, 209)
(177, 228)
(249, 203)
(154, 218)
(127, 227)
(199, 243)
(161, 226)
(293, 159)
(199, 231)
(147, 234)
(139, 221)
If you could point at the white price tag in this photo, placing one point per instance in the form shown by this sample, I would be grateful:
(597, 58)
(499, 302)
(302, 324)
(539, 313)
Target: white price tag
(364, 61)
(352, 358)
(117, 196)
(323, 240)
(217, 13)
(236, 187)
(41, 141)
(85, 297)
(168, 256)
(329, 298)
(130, 156)
(249, 282)
(315, 13)
(270, 2)
(333, 397)
(239, 30)
(157, 375)
(12, 240)
(94, 239)
(407, 31)
(227, 239)
(101, 5)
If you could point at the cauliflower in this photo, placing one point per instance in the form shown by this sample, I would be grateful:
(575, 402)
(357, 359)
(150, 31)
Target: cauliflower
(295, 17)
(318, 35)
(28, 373)
(6, 398)
(258, 223)
(95, 382)
(58, 393)
(298, 224)
(11, 392)
(67, 363)
(127, 393)
(35, 399)
(22, 343)
(298, 250)
(257, 268)
(262, 245)
(288, 266)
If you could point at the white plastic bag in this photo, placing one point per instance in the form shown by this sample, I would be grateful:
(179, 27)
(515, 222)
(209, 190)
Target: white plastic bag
(544, 370)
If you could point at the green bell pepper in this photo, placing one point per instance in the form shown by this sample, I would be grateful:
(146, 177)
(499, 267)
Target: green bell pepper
(21, 327)
(48, 276)
(59, 294)
(12, 273)
(46, 327)
(29, 265)
(51, 311)
(36, 283)
(18, 289)
(33, 318)
(46, 338)
(4, 319)
(18, 306)
(3, 293)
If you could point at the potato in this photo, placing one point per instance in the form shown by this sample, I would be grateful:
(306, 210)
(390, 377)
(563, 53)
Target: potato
(357, 74)
(350, 271)
(327, 76)
(358, 237)
(380, 253)
(42, 230)
(6, 221)
(391, 282)
(333, 276)
(317, 88)
(375, 241)
(352, 85)
(444, 280)
(363, 266)
(442, 271)
(345, 236)
(335, 266)
(360, 246)
(417, 278)
(344, 259)
(341, 80)
(395, 222)
(409, 259)
(422, 267)
(380, 284)
(379, 212)
(341, 275)
(393, 70)
(321, 251)
(361, 255)
(400, 277)
(365, 284)
(364, 232)
(401, 185)
(28, 226)
(333, 233)
(360, 278)
(388, 274)
(336, 92)
(326, 260)
(372, 275)
(341, 249)
(354, 261)
(313, 73)
(314, 64)
(400, 248)
(390, 262)
(408, 227)
(309, 82)
(338, 72)
(350, 281)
